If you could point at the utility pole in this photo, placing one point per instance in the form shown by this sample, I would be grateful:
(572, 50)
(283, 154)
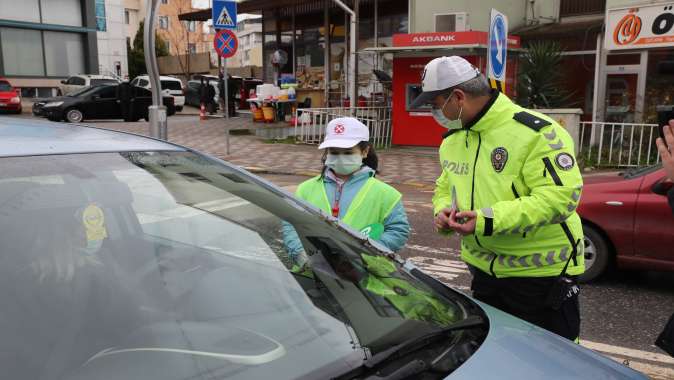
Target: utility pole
(157, 111)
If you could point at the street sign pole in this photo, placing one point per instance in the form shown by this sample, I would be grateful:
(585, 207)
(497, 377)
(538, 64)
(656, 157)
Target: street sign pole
(224, 65)
(157, 111)
(225, 42)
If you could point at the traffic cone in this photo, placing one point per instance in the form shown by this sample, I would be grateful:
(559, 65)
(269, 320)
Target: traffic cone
(202, 112)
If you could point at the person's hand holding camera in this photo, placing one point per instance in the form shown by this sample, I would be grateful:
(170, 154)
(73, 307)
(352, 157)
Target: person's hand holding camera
(666, 149)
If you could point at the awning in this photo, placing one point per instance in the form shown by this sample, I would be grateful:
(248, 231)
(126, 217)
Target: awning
(430, 49)
(301, 7)
(559, 29)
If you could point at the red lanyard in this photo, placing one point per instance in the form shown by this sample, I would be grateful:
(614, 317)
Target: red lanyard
(338, 197)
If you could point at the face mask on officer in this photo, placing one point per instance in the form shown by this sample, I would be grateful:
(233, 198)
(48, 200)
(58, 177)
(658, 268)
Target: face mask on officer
(440, 118)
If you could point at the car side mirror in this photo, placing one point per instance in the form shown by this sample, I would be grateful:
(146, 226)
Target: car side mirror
(662, 186)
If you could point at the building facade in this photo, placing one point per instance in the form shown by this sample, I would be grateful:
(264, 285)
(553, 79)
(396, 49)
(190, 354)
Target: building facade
(45, 41)
(183, 37)
(111, 34)
(249, 53)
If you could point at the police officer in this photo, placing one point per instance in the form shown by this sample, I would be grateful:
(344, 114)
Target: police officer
(510, 186)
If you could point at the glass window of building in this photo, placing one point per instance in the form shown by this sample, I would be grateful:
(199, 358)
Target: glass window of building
(101, 23)
(64, 53)
(192, 48)
(22, 51)
(23, 10)
(64, 12)
(659, 83)
(126, 16)
(163, 22)
(164, 1)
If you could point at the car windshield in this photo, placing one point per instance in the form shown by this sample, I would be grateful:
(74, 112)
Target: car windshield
(4, 87)
(642, 171)
(96, 82)
(171, 265)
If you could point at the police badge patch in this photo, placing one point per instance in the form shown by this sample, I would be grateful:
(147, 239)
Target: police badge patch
(565, 161)
(499, 157)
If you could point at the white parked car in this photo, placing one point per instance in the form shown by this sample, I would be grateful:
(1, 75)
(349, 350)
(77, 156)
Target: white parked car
(80, 81)
(170, 87)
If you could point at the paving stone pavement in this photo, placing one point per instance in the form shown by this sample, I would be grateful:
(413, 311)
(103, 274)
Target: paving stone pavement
(417, 167)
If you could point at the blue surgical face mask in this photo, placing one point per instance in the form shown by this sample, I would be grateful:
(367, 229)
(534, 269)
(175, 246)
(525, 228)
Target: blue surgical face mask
(344, 164)
(444, 122)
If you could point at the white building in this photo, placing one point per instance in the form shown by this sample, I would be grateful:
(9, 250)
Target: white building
(111, 34)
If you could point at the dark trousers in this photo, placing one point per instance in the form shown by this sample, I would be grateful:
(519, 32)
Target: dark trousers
(525, 298)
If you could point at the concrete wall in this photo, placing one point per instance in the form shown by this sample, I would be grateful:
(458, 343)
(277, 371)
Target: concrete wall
(198, 64)
(422, 12)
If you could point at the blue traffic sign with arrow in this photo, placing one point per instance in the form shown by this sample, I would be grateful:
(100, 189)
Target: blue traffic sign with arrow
(498, 45)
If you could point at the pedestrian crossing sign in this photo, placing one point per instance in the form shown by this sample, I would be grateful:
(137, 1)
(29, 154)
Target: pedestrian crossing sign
(224, 14)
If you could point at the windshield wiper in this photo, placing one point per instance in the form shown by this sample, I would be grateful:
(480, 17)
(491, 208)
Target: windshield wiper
(409, 346)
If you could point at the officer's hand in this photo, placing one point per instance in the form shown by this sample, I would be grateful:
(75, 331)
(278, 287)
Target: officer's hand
(463, 222)
(442, 220)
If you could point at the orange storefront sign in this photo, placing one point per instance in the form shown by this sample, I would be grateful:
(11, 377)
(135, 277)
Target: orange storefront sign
(642, 27)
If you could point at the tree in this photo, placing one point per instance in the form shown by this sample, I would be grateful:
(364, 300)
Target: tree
(136, 53)
(179, 34)
(541, 78)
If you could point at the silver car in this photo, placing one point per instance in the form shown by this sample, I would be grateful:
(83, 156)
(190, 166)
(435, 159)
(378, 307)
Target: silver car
(125, 257)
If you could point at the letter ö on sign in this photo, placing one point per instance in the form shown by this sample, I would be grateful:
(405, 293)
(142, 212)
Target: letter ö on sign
(663, 23)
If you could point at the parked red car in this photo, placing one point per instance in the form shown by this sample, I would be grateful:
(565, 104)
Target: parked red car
(626, 223)
(10, 98)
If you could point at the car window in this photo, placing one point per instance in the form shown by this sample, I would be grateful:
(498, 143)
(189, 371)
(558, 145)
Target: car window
(134, 82)
(96, 82)
(143, 83)
(5, 86)
(142, 92)
(171, 85)
(77, 81)
(107, 92)
(194, 85)
(143, 264)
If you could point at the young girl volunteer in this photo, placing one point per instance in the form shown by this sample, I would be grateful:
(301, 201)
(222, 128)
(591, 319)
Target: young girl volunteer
(347, 189)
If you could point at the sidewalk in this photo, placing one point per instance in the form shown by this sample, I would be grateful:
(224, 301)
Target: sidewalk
(412, 166)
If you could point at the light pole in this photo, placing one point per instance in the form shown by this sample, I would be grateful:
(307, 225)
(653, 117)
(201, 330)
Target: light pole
(157, 111)
(352, 81)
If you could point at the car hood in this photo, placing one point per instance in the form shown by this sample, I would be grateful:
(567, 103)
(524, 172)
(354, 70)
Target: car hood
(515, 350)
(53, 99)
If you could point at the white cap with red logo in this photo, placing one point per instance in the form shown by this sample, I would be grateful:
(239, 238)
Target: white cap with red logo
(344, 132)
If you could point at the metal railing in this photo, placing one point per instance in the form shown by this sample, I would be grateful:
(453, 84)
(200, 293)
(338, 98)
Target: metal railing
(310, 123)
(608, 144)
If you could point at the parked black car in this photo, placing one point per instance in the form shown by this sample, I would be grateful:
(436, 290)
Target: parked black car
(98, 102)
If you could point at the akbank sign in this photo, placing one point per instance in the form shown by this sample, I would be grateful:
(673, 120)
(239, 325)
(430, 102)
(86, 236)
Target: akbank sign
(640, 27)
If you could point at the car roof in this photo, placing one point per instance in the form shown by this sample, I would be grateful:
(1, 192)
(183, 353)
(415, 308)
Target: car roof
(94, 76)
(29, 137)
(162, 77)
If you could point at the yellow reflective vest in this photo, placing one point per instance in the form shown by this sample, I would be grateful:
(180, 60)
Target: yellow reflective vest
(368, 210)
(517, 169)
